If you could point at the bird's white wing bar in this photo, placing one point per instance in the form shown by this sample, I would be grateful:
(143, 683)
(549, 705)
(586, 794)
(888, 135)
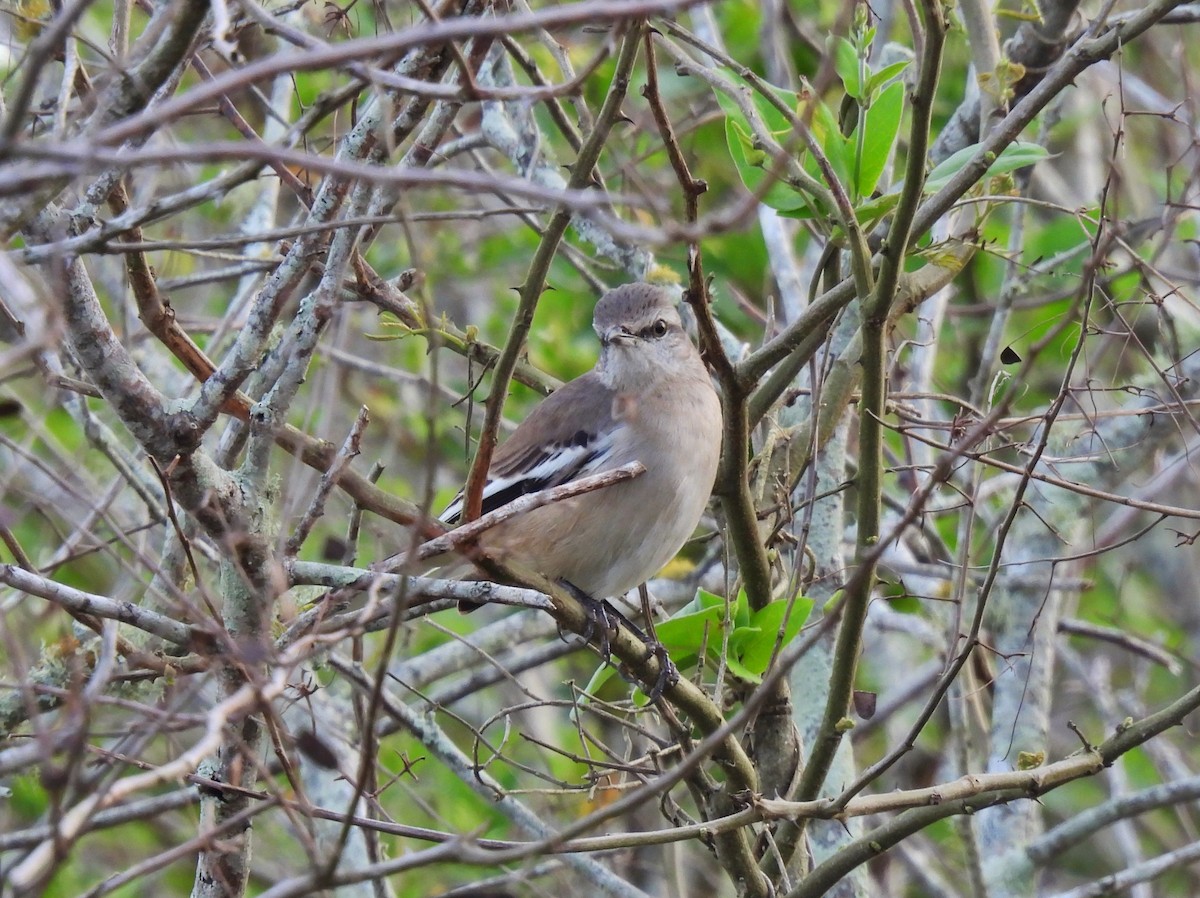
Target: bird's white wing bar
(557, 463)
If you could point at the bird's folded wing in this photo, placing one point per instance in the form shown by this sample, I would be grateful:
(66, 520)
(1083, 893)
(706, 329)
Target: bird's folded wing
(570, 435)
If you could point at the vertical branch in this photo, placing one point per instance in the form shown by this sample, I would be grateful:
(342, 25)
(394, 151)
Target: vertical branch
(219, 504)
(874, 399)
(774, 735)
(223, 865)
(733, 479)
(985, 57)
(530, 290)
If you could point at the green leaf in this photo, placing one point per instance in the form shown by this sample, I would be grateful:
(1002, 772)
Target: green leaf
(833, 601)
(740, 638)
(739, 670)
(603, 674)
(881, 125)
(884, 75)
(741, 610)
(837, 148)
(702, 600)
(752, 162)
(805, 214)
(683, 634)
(738, 135)
(774, 120)
(846, 61)
(749, 163)
(766, 625)
(1014, 156)
(695, 624)
(905, 604)
(872, 212)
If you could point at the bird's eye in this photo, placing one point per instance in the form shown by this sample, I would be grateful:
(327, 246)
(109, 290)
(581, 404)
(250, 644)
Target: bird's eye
(659, 328)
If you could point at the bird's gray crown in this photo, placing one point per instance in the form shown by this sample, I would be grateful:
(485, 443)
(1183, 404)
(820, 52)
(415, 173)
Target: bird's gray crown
(632, 305)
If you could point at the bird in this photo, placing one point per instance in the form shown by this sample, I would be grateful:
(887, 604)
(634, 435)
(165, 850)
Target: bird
(648, 399)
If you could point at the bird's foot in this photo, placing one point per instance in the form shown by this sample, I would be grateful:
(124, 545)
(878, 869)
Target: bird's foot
(668, 673)
(601, 618)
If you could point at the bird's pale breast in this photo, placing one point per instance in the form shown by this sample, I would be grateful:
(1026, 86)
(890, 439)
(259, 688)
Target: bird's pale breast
(607, 542)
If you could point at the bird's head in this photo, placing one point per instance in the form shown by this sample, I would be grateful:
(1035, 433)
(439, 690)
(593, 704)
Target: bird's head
(641, 337)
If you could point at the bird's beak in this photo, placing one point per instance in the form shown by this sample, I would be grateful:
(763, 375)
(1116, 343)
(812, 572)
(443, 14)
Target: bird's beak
(617, 334)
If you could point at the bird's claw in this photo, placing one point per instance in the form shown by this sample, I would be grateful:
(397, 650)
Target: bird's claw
(600, 623)
(668, 673)
(602, 618)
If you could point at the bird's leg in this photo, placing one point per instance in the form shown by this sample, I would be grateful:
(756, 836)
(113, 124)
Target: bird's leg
(668, 673)
(601, 617)
(606, 617)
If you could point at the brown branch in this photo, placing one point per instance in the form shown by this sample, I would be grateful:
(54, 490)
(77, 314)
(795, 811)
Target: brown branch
(534, 283)
(384, 45)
